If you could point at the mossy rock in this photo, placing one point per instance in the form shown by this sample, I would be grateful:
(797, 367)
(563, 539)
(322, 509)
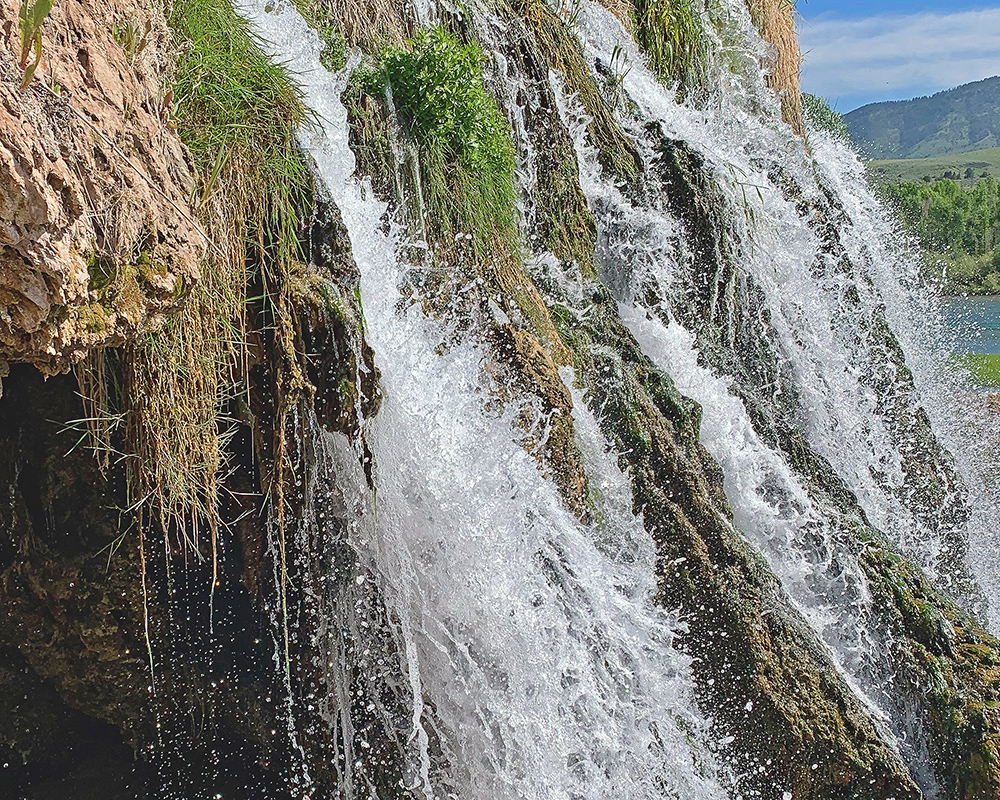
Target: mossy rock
(772, 688)
(921, 654)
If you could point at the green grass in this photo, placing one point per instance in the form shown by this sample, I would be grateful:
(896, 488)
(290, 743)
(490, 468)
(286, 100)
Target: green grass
(466, 152)
(935, 167)
(984, 368)
(670, 33)
(237, 112)
(819, 115)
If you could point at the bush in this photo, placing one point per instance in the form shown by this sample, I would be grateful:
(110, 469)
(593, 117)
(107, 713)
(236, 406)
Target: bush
(466, 153)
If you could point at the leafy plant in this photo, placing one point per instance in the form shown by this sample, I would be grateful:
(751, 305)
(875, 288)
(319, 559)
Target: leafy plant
(466, 153)
(30, 21)
(671, 34)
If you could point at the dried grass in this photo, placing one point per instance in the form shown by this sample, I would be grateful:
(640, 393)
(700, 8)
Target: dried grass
(775, 19)
(373, 25)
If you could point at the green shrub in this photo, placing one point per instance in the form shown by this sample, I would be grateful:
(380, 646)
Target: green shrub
(466, 153)
(821, 117)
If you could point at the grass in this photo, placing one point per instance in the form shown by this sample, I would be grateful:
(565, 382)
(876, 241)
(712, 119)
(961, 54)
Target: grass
(983, 368)
(671, 34)
(775, 20)
(935, 167)
(372, 25)
(563, 53)
(466, 152)
(818, 114)
(236, 112)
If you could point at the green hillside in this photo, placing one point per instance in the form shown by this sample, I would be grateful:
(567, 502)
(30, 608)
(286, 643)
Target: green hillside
(959, 120)
(965, 167)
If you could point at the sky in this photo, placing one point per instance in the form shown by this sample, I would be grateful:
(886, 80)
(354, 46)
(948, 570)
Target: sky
(864, 51)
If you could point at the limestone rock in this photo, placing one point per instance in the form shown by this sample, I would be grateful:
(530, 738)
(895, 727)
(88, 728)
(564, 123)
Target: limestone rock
(97, 236)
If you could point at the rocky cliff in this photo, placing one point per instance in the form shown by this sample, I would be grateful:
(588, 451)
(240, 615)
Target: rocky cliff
(184, 612)
(99, 238)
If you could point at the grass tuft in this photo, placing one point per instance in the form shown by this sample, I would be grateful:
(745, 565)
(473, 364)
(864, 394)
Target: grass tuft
(818, 115)
(236, 112)
(671, 34)
(466, 153)
(563, 54)
(775, 20)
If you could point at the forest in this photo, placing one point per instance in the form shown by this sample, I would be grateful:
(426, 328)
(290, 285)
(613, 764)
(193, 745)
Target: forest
(956, 222)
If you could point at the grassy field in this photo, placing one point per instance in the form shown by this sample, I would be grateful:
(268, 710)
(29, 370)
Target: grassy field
(916, 169)
(984, 368)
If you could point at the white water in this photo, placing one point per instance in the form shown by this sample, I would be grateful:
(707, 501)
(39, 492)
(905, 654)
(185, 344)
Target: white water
(820, 335)
(538, 665)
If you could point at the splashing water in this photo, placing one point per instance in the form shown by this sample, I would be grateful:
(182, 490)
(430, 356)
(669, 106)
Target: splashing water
(825, 316)
(537, 663)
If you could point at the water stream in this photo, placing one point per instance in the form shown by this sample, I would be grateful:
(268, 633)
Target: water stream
(538, 665)
(536, 662)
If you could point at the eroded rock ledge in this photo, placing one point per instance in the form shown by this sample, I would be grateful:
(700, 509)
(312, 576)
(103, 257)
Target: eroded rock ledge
(97, 235)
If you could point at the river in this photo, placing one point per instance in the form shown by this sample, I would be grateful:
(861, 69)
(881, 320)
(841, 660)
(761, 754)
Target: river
(973, 324)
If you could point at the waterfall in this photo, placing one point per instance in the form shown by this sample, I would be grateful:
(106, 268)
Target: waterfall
(535, 661)
(823, 316)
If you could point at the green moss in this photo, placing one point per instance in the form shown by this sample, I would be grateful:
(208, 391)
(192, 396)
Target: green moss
(94, 318)
(102, 271)
(466, 152)
(149, 269)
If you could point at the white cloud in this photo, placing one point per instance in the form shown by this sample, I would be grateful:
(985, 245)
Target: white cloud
(883, 55)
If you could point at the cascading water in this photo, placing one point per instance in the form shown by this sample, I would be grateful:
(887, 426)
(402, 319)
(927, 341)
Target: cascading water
(537, 664)
(820, 317)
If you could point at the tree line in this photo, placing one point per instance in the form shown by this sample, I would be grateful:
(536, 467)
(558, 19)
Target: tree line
(958, 227)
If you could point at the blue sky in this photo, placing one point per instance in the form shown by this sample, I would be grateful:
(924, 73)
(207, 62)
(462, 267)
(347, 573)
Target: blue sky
(859, 51)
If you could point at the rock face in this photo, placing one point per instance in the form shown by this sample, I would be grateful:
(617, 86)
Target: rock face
(98, 244)
(97, 235)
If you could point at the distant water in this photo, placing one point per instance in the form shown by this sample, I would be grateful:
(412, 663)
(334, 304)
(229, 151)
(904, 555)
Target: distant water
(973, 323)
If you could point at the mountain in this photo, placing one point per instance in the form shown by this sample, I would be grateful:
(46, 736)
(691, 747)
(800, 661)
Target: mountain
(956, 120)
